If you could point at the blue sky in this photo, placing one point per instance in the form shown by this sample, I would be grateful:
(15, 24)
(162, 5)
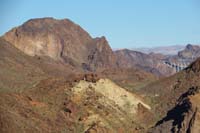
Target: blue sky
(125, 23)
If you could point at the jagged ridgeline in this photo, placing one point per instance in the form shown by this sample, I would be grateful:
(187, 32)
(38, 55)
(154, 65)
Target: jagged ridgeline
(62, 40)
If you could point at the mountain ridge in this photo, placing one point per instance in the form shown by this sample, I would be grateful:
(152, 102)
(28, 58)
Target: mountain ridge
(62, 40)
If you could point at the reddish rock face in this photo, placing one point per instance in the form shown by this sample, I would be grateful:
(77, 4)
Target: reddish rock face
(62, 40)
(101, 55)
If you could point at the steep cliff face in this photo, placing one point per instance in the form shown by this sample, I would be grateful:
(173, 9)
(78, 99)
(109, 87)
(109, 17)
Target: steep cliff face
(61, 40)
(101, 55)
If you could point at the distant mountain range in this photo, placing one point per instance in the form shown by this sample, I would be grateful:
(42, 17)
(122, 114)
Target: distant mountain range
(165, 50)
(159, 63)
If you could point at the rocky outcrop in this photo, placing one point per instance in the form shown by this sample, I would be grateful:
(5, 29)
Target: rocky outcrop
(176, 101)
(101, 55)
(195, 66)
(62, 40)
(185, 56)
(184, 117)
(109, 103)
(190, 51)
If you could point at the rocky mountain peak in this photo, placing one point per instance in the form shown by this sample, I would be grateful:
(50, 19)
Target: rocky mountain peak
(61, 40)
(101, 42)
(189, 46)
(190, 51)
(48, 37)
(50, 24)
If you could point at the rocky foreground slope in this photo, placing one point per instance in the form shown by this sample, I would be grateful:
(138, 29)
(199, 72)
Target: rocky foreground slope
(176, 101)
(184, 117)
(81, 104)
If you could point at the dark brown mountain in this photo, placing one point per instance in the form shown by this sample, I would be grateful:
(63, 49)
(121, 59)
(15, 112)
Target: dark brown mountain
(62, 40)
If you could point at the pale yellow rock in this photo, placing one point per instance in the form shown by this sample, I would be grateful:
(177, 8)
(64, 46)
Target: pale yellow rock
(124, 99)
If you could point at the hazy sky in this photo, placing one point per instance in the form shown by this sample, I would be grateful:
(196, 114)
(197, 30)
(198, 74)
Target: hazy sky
(125, 23)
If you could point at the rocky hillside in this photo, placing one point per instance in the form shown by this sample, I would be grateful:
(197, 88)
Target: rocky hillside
(156, 63)
(19, 70)
(131, 79)
(184, 117)
(80, 104)
(149, 62)
(172, 99)
(16, 69)
(62, 40)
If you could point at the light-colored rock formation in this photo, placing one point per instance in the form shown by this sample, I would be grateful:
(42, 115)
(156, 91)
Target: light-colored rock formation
(125, 100)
